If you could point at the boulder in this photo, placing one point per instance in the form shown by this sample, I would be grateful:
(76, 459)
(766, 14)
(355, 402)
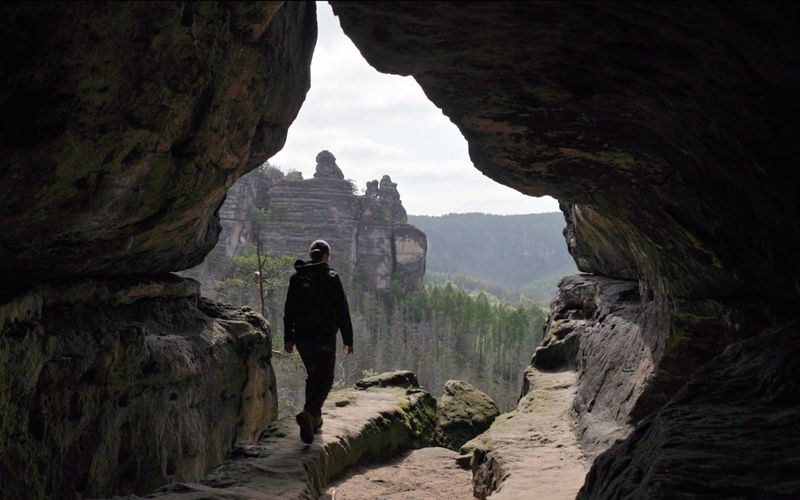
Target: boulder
(463, 412)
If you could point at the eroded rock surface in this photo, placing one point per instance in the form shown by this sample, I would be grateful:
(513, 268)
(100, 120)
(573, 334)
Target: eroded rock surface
(127, 122)
(359, 425)
(112, 387)
(617, 109)
(463, 412)
(601, 328)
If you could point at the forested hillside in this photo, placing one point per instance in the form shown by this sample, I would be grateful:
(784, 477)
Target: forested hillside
(516, 257)
(439, 333)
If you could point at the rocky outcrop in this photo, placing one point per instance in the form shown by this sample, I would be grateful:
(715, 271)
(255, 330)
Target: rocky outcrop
(327, 167)
(595, 245)
(588, 373)
(130, 121)
(397, 378)
(463, 412)
(371, 243)
(111, 387)
(359, 425)
(617, 110)
(677, 173)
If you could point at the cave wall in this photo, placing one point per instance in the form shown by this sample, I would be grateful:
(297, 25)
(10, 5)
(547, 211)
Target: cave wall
(670, 133)
(731, 432)
(670, 122)
(124, 123)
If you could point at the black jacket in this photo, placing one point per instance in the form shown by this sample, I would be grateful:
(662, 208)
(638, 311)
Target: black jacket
(319, 313)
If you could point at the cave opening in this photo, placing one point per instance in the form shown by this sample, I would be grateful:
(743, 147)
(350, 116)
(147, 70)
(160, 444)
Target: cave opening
(667, 130)
(398, 243)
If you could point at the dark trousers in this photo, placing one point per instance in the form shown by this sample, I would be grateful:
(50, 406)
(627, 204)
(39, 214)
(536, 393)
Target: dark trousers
(319, 358)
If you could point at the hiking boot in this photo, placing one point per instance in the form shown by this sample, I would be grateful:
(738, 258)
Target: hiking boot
(306, 423)
(317, 424)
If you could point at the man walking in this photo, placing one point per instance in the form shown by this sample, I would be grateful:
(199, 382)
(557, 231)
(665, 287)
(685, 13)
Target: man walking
(315, 308)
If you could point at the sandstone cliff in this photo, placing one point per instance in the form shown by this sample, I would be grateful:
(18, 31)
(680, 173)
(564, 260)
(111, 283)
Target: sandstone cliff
(372, 243)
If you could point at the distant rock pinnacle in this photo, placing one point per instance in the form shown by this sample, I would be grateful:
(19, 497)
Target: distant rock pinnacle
(327, 167)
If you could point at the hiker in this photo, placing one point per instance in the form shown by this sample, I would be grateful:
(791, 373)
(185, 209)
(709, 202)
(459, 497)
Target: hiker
(315, 308)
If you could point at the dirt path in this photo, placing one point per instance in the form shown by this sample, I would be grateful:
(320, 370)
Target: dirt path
(426, 474)
(532, 452)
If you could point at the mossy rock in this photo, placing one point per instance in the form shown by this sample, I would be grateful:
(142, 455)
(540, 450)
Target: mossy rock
(463, 413)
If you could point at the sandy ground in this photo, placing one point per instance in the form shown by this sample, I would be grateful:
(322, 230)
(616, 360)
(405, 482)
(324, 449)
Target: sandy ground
(426, 474)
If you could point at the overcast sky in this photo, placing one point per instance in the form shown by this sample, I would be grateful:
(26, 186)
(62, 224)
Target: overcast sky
(379, 124)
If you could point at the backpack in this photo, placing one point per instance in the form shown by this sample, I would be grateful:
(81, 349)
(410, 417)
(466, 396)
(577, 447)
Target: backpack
(314, 309)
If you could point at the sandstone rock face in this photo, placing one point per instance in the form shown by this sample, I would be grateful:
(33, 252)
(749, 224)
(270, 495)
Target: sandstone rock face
(596, 327)
(371, 242)
(596, 245)
(128, 122)
(666, 131)
(463, 412)
(360, 425)
(732, 431)
(110, 387)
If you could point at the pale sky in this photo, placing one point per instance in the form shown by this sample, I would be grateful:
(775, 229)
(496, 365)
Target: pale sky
(378, 124)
